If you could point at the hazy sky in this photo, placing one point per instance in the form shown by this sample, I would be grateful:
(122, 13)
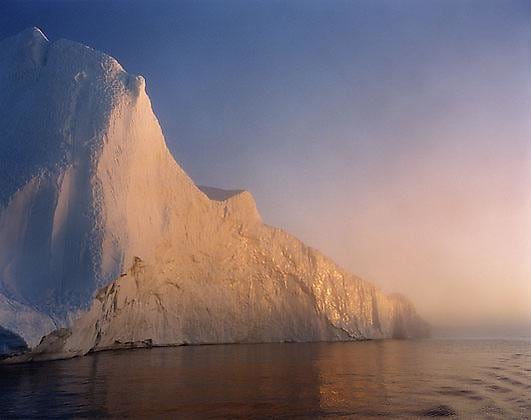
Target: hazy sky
(394, 136)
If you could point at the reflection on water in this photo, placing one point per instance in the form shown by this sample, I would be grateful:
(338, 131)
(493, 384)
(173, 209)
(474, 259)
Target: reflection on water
(396, 378)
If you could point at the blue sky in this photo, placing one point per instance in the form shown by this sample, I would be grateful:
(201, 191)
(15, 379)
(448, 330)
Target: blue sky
(392, 135)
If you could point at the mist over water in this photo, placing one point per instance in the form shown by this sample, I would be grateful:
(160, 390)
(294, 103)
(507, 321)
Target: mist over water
(469, 378)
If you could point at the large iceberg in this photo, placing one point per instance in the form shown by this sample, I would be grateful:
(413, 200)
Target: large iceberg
(99, 224)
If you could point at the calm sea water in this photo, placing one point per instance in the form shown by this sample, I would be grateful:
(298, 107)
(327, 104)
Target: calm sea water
(471, 378)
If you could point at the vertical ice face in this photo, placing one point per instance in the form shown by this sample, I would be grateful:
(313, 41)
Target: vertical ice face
(88, 186)
(82, 158)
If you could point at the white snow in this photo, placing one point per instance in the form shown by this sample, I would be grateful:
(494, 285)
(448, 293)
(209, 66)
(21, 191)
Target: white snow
(88, 188)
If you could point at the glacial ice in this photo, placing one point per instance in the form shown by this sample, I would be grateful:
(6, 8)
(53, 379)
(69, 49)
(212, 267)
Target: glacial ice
(92, 203)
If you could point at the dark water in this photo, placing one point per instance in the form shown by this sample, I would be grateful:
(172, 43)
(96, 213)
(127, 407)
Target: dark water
(471, 378)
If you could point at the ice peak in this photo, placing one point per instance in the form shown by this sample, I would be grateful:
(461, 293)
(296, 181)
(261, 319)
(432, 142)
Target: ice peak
(25, 50)
(34, 33)
(29, 37)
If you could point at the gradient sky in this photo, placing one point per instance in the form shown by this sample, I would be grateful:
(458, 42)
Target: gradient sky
(394, 136)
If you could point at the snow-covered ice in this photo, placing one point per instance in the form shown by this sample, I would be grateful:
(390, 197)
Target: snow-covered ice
(91, 199)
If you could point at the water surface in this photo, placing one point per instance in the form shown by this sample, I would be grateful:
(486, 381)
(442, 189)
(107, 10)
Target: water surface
(469, 378)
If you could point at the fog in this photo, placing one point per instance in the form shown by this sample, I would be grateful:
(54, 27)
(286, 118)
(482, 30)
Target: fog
(392, 136)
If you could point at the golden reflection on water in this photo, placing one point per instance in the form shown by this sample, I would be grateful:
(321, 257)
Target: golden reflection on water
(379, 378)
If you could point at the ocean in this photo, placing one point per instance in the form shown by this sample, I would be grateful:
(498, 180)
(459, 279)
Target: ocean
(394, 378)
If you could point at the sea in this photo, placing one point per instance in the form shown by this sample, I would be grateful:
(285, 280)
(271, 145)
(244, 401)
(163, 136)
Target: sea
(476, 379)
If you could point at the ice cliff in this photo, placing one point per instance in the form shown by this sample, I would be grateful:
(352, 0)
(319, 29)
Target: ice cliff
(92, 200)
(10, 343)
